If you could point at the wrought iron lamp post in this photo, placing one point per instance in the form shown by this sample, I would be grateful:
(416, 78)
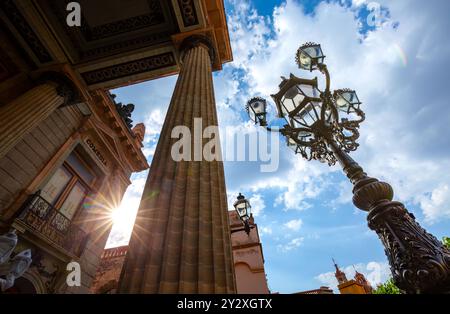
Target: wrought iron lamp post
(242, 206)
(315, 129)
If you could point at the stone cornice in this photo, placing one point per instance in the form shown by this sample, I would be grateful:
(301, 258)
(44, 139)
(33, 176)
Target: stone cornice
(124, 134)
(215, 29)
(217, 20)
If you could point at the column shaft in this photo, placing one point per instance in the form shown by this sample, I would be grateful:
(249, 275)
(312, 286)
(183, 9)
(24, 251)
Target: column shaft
(181, 238)
(26, 112)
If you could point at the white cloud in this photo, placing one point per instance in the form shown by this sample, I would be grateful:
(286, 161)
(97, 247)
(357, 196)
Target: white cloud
(358, 3)
(248, 32)
(265, 231)
(226, 86)
(297, 180)
(294, 224)
(437, 205)
(257, 203)
(291, 245)
(153, 124)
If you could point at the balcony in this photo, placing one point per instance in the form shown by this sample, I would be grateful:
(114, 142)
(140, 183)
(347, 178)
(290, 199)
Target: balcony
(46, 222)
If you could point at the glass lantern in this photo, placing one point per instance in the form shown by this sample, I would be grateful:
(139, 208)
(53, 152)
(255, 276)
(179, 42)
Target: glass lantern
(256, 109)
(346, 100)
(294, 95)
(309, 56)
(242, 207)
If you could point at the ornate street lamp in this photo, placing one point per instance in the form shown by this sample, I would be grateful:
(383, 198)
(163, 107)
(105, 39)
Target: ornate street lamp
(324, 126)
(242, 206)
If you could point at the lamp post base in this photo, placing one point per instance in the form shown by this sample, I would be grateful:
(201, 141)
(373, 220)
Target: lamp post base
(419, 262)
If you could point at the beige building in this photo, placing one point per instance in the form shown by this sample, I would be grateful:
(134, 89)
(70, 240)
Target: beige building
(248, 257)
(67, 149)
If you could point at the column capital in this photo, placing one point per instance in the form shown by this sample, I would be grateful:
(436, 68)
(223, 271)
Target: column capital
(196, 41)
(64, 87)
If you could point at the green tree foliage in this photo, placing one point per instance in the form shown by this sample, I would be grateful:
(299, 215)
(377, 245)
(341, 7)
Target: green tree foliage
(387, 288)
(446, 241)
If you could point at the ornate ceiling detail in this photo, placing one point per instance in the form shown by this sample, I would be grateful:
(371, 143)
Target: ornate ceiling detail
(114, 36)
(29, 36)
(7, 66)
(188, 12)
(155, 16)
(129, 68)
(118, 42)
(122, 46)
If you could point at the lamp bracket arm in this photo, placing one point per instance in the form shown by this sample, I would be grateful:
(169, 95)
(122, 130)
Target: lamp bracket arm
(324, 70)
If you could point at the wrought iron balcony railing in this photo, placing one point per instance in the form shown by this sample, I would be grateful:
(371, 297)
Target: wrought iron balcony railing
(41, 217)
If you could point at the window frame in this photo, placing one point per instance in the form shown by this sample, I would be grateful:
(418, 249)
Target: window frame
(76, 178)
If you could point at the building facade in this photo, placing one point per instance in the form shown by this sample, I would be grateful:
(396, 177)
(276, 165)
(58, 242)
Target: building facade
(59, 185)
(60, 182)
(358, 285)
(67, 150)
(321, 290)
(106, 279)
(248, 257)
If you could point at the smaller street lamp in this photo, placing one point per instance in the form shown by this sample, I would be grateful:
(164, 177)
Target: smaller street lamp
(242, 206)
(256, 109)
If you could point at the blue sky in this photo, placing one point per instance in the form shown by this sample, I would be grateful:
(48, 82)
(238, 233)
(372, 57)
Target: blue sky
(397, 62)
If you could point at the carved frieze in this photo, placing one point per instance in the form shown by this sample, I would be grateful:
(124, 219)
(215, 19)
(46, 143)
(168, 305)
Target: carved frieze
(7, 66)
(188, 12)
(17, 19)
(129, 68)
(92, 42)
(154, 16)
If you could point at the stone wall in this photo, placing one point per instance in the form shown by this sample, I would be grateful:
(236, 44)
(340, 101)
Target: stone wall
(25, 161)
(109, 269)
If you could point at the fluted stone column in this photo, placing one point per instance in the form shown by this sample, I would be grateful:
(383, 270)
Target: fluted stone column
(181, 238)
(24, 113)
